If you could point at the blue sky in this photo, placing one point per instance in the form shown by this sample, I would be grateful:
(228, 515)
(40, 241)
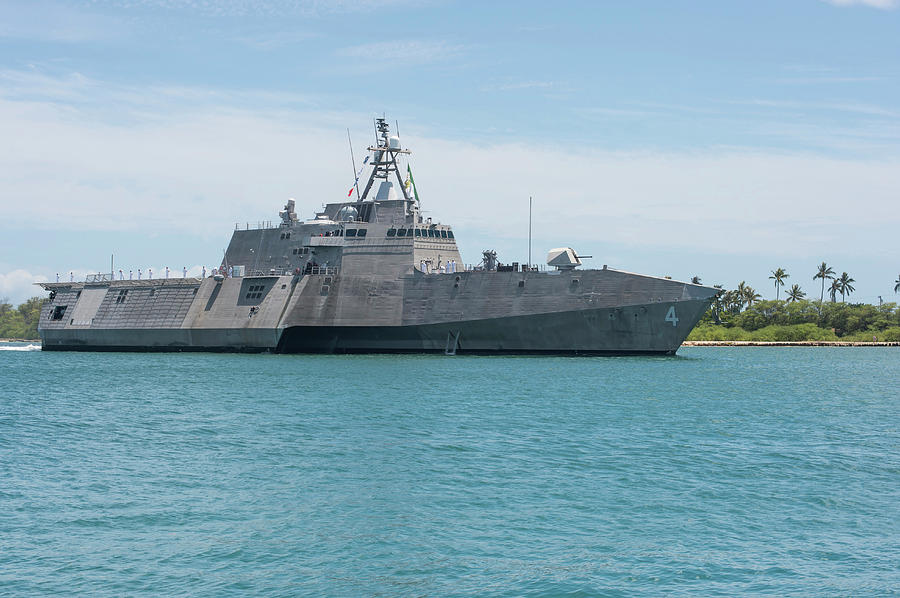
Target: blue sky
(722, 139)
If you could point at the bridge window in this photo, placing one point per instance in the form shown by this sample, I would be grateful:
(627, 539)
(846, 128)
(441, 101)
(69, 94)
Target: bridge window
(58, 312)
(443, 234)
(450, 234)
(418, 232)
(351, 232)
(361, 233)
(391, 232)
(254, 291)
(401, 232)
(430, 232)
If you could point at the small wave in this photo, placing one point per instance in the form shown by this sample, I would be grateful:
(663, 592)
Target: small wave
(20, 347)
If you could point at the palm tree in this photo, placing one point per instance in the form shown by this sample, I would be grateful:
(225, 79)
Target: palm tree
(846, 287)
(717, 302)
(824, 272)
(740, 294)
(897, 285)
(732, 302)
(834, 289)
(778, 276)
(795, 294)
(749, 295)
(695, 280)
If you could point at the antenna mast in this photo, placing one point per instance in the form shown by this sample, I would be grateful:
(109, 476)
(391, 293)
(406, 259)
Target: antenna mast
(384, 165)
(353, 163)
(529, 232)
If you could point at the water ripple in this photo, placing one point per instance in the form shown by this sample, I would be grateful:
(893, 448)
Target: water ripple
(725, 471)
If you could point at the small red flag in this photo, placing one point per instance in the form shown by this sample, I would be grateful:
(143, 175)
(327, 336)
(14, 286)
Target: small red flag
(350, 192)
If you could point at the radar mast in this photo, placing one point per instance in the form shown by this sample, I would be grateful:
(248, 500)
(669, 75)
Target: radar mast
(384, 163)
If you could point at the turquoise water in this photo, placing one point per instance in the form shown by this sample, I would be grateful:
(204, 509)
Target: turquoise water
(723, 471)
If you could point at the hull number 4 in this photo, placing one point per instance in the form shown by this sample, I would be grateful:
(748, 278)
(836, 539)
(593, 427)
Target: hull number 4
(671, 317)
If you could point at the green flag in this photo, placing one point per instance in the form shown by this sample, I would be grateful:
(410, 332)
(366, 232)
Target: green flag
(410, 181)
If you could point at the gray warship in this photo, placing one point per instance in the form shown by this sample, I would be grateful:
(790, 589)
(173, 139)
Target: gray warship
(371, 274)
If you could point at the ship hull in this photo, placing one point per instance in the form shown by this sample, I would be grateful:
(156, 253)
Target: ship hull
(590, 312)
(625, 330)
(160, 340)
(373, 275)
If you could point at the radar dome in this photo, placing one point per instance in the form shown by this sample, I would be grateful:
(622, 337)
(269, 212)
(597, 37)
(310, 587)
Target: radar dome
(347, 214)
(394, 142)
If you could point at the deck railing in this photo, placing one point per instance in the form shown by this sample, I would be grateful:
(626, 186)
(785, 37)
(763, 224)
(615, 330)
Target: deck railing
(326, 270)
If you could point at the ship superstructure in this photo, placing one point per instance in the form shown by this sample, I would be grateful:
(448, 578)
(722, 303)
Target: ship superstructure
(371, 274)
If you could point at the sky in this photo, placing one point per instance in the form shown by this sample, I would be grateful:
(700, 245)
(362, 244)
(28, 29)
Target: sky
(697, 138)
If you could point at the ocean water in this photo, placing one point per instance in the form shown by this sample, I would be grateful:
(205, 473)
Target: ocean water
(722, 471)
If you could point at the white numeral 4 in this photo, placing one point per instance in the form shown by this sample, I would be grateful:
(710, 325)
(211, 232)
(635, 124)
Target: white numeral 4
(671, 317)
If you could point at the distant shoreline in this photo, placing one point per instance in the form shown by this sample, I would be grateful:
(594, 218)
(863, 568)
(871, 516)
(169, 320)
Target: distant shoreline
(685, 343)
(789, 344)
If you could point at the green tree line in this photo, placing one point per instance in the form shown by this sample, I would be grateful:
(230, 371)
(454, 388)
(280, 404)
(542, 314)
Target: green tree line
(20, 322)
(742, 313)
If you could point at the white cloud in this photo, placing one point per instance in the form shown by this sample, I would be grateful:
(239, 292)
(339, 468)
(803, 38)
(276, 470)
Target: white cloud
(854, 108)
(18, 285)
(268, 41)
(57, 22)
(197, 165)
(402, 52)
(882, 4)
(519, 85)
(240, 8)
